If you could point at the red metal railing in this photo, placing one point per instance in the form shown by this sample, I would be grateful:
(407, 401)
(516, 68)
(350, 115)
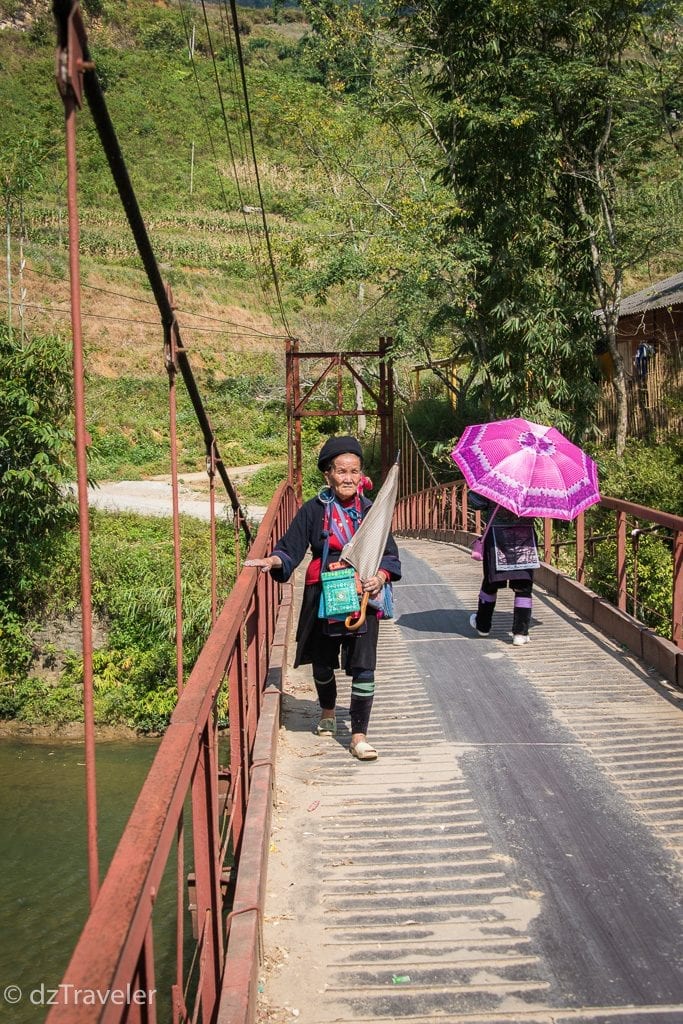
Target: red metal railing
(415, 474)
(114, 958)
(442, 510)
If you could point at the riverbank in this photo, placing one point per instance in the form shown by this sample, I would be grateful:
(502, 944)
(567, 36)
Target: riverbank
(70, 732)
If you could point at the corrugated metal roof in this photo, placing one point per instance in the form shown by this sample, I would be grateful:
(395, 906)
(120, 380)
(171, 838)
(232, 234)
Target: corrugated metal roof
(663, 293)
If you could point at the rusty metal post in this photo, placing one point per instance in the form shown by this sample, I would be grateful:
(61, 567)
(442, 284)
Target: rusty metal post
(580, 548)
(206, 847)
(289, 401)
(548, 541)
(677, 602)
(70, 67)
(238, 756)
(296, 397)
(389, 416)
(171, 348)
(170, 354)
(621, 560)
(144, 1012)
(211, 470)
(340, 393)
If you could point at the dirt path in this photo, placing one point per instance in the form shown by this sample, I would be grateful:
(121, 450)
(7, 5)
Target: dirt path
(154, 497)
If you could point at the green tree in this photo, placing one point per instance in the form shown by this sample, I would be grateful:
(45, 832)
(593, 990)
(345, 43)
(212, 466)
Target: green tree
(35, 446)
(340, 45)
(550, 120)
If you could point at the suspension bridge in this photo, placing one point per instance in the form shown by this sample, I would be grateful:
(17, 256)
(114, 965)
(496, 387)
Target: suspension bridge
(515, 853)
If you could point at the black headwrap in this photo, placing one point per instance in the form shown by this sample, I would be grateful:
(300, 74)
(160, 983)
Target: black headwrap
(335, 446)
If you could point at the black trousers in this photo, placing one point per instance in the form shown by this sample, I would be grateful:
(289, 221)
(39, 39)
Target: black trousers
(521, 615)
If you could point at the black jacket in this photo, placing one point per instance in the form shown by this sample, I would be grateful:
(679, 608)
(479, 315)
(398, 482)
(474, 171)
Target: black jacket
(306, 531)
(479, 503)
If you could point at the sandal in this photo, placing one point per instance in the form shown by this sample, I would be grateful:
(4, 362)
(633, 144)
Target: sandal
(363, 750)
(327, 727)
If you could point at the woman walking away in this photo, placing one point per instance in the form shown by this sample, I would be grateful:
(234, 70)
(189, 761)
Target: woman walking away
(324, 524)
(509, 556)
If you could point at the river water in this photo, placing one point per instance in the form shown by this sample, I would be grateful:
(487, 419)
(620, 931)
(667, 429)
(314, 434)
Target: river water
(43, 861)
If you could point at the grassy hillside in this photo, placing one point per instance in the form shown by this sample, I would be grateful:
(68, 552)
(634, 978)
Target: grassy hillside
(180, 124)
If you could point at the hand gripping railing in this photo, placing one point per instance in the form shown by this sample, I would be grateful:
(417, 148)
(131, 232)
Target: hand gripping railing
(114, 958)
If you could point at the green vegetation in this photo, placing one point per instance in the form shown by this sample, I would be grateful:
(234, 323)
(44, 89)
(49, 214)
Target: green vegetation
(134, 603)
(639, 477)
(35, 406)
(129, 422)
(439, 179)
(656, 482)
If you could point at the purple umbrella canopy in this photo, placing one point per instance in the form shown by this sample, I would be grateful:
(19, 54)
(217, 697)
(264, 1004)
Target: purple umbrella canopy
(529, 469)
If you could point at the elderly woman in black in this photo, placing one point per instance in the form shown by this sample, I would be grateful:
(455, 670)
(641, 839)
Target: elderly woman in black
(325, 523)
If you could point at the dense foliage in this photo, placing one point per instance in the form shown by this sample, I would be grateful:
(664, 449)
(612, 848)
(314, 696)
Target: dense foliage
(134, 606)
(555, 140)
(653, 479)
(35, 444)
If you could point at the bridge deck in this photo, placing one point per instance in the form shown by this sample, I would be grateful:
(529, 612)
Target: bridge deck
(516, 852)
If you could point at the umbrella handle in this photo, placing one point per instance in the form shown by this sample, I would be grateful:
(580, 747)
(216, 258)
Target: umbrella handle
(354, 624)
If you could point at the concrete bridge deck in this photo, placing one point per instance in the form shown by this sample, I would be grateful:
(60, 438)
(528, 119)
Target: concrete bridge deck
(515, 854)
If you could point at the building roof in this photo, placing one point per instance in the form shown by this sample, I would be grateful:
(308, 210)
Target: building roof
(668, 292)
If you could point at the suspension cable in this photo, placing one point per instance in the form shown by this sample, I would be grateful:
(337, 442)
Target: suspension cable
(202, 102)
(110, 144)
(240, 57)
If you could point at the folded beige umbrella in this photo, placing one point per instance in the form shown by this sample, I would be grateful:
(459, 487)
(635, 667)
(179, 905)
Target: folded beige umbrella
(365, 549)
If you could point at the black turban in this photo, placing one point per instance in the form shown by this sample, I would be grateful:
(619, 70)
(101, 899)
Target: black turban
(335, 446)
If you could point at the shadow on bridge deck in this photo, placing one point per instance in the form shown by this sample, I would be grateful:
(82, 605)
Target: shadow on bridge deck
(514, 855)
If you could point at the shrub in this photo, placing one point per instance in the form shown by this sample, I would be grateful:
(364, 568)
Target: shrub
(645, 475)
(35, 446)
(260, 487)
(134, 677)
(652, 603)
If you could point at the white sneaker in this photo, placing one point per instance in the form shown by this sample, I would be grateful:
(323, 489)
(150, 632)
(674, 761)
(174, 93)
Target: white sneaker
(518, 640)
(473, 624)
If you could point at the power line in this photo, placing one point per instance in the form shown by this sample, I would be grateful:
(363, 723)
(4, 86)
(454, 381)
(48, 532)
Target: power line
(148, 323)
(151, 302)
(245, 91)
(202, 103)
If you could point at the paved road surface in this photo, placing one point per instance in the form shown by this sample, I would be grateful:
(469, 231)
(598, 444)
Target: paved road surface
(515, 853)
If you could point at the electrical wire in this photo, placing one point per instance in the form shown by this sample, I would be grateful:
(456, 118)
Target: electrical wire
(202, 101)
(233, 9)
(151, 302)
(146, 323)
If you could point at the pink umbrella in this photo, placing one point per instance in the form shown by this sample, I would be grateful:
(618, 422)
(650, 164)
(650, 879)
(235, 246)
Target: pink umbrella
(527, 468)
